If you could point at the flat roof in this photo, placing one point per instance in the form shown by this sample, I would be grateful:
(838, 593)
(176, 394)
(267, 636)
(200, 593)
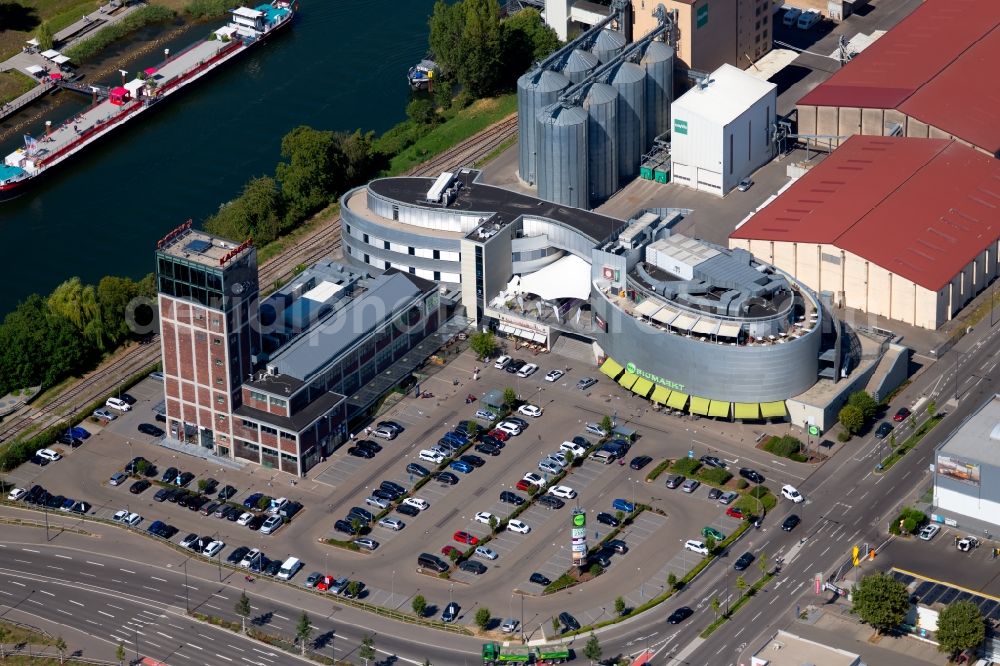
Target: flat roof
(199, 247)
(299, 421)
(785, 649)
(488, 199)
(921, 208)
(978, 439)
(729, 92)
(936, 64)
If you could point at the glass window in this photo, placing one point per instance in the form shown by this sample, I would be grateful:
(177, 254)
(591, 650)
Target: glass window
(257, 395)
(165, 267)
(278, 402)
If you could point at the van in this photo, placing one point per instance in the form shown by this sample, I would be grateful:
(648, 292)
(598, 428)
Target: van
(791, 16)
(603, 456)
(119, 404)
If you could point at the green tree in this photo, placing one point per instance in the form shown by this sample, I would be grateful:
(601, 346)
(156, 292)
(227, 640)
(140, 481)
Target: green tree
(484, 343)
(421, 111)
(303, 629)
(931, 409)
(525, 39)
(762, 564)
(672, 580)
(447, 23)
(258, 213)
(353, 589)
(142, 467)
(263, 503)
(881, 601)
(596, 570)
(481, 58)
(356, 524)
(592, 650)
(311, 172)
(60, 646)
(367, 649)
(509, 397)
(606, 423)
(202, 484)
(619, 606)
(242, 609)
(114, 294)
(851, 419)
(120, 653)
(360, 161)
(710, 543)
(716, 606)
(960, 627)
(555, 625)
(419, 605)
(493, 523)
(742, 585)
(483, 618)
(44, 36)
(77, 304)
(865, 403)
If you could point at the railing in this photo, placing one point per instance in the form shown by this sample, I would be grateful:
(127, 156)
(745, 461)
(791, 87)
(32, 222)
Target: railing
(89, 132)
(226, 50)
(26, 98)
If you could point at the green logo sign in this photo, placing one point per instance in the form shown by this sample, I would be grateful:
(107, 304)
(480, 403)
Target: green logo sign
(656, 379)
(579, 520)
(814, 431)
(680, 126)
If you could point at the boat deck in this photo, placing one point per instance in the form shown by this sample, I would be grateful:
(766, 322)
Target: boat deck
(188, 60)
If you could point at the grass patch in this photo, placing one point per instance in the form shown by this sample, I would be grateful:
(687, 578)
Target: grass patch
(105, 37)
(785, 447)
(749, 504)
(466, 122)
(657, 471)
(13, 84)
(714, 476)
(203, 9)
(685, 466)
(909, 444)
(17, 633)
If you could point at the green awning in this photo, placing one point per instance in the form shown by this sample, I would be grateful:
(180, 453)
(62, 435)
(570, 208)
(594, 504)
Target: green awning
(772, 410)
(628, 379)
(642, 387)
(719, 409)
(699, 405)
(747, 410)
(611, 368)
(660, 394)
(677, 400)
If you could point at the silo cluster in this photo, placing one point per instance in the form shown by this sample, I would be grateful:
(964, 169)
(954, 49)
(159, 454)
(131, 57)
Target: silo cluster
(579, 151)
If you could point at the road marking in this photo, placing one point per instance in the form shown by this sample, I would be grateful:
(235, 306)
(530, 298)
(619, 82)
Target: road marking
(149, 642)
(14, 582)
(162, 580)
(863, 496)
(147, 587)
(64, 612)
(197, 647)
(115, 607)
(127, 571)
(190, 587)
(96, 564)
(96, 624)
(64, 557)
(75, 602)
(223, 657)
(737, 634)
(28, 550)
(824, 551)
(282, 617)
(754, 618)
(48, 593)
(23, 561)
(216, 594)
(84, 573)
(165, 635)
(106, 614)
(236, 648)
(52, 566)
(211, 606)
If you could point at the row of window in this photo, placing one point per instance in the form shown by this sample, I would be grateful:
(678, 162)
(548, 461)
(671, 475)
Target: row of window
(250, 425)
(409, 249)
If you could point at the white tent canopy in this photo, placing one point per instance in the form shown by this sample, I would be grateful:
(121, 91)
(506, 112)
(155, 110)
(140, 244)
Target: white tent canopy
(568, 277)
(50, 54)
(34, 69)
(60, 59)
(32, 42)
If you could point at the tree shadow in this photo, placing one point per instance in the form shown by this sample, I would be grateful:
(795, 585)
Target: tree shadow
(15, 16)
(323, 640)
(262, 619)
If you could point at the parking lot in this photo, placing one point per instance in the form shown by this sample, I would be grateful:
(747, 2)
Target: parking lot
(940, 559)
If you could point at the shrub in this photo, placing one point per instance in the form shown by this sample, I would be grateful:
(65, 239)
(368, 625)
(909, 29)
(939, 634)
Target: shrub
(843, 436)
(715, 476)
(784, 446)
(658, 470)
(908, 521)
(741, 484)
(686, 466)
(208, 8)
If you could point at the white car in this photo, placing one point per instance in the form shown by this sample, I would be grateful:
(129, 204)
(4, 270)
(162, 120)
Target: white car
(429, 455)
(573, 447)
(417, 503)
(392, 523)
(563, 492)
(16, 494)
(553, 375)
(120, 516)
(510, 428)
(528, 370)
(212, 549)
(133, 519)
(484, 517)
(249, 558)
(518, 527)
(510, 625)
(534, 479)
(120, 405)
(790, 493)
(502, 362)
(487, 553)
(696, 546)
(533, 411)
(808, 19)
(244, 518)
(271, 525)
(48, 454)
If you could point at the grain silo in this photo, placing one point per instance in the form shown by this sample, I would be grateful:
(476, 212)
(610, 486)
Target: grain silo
(658, 61)
(536, 89)
(630, 81)
(601, 104)
(608, 44)
(562, 155)
(579, 64)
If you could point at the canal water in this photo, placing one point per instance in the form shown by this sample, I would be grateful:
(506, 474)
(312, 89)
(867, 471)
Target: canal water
(341, 66)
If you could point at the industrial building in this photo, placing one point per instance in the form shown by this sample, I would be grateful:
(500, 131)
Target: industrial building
(900, 228)
(931, 76)
(967, 472)
(721, 130)
(276, 382)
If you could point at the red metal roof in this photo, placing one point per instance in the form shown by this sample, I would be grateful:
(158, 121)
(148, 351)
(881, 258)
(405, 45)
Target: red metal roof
(921, 208)
(938, 37)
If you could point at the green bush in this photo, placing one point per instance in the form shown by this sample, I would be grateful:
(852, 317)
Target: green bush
(908, 521)
(658, 470)
(741, 484)
(784, 446)
(715, 476)
(843, 436)
(759, 492)
(685, 466)
(201, 9)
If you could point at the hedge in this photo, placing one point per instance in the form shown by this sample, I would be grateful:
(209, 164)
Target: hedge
(685, 466)
(657, 471)
(715, 476)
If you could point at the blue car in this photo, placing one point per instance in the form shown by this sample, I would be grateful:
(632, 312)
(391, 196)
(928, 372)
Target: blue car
(251, 502)
(78, 432)
(623, 505)
(461, 466)
(458, 439)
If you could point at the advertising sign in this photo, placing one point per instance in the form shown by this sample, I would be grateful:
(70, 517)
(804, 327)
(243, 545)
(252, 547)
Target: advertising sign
(578, 534)
(958, 469)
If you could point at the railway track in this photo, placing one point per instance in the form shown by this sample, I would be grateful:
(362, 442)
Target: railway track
(309, 249)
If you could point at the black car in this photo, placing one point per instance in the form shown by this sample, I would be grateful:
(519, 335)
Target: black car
(883, 430)
(209, 486)
(256, 522)
(69, 440)
(714, 494)
(569, 622)
(539, 579)
(712, 461)
(550, 502)
(488, 448)
(789, 523)
(581, 441)
(602, 557)
(289, 510)
(150, 429)
(162, 418)
(486, 438)
(139, 486)
(518, 420)
(371, 445)
(273, 568)
(417, 470)
(127, 398)
(387, 495)
(362, 514)
(446, 478)
(472, 566)
(617, 545)
(234, 515)
(745, 560)
(55, 501)
(640, 461)
(515, 365)
(359, 452)
(184, 479)
(170, 475)
(344, 526)
(680, 615)
(608, 519)
(408, 510)
(393, 487)
(508, 497)
(33, 494)
(40, 461)
(237, 555)
(475, 461)
(751, 475)
(197, 503)
(226, 493)
(223, 510)
(183, 498)
(163, 494)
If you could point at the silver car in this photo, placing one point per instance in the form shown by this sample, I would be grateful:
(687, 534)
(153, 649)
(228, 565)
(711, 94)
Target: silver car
(690, 485)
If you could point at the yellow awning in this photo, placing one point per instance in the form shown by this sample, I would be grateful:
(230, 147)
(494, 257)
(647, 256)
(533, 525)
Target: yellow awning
(660, 394)
(772, 410)
(719, 409)
(677, 400)
(699, 405)
(628, 379)
(642, 387)
(747, 410)
(611, 368)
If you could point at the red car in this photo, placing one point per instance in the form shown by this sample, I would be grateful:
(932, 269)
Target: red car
(499, 434)
(465, 537)
(448, 550)
(523, 485)
(901, 414)
(324, 583)
(734, 512)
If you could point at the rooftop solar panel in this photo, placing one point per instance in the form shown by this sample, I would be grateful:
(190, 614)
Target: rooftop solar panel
(933, 594)
(995, 614)
(987, 606)
(922, 589)
(199, 246)
(948, 596)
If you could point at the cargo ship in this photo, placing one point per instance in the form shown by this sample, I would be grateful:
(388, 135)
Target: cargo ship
(115, 106)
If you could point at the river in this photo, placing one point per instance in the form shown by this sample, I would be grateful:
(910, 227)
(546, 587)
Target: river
(341, 66)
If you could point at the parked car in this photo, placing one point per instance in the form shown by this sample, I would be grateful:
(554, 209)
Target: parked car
(473, 566)
(509, 427)
(690, 485)
(735, 512)
(515, 366)
(392, 523)
(539, 579)
(639, 462)
(553, 375)
(446, 478)
(745, 184)
(564, 492)
(169, 475)
(385, 433)
(569, 622)
(489, 448)
(450, 612)
(617, 545)
(808, 19)
(550, 502)
(408, 510)
(464, 537)
(16, 494)
(151, 430)
(366, 543)
(417, 470)
(502, 362)
(527, 370)
(139, 486)
(714, 493)
(359, 452)
(105, 414)
(431, 456)
(728, 497)
(549, 466)
(530, 410)
(272, 524)
(712, 532)
(696, 546)
(485, 415)
(927, 532)
(623, 505)
(607, 519)
(518, 527)
(486, 553)
(48, 454)
(675, 480)
(596, 429)
(508, 497)
(483, 517)
(574, 448)
(461, 466)
(227, 493)
(391, 425)
(585, 383)
(473, 460)
(119, 404)
(118, 478)
(418, 503)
